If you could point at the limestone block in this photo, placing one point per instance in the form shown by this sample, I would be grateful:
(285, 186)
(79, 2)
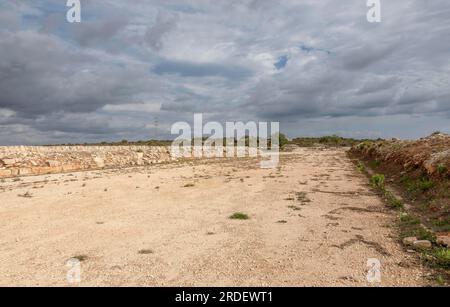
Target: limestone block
(5, 172)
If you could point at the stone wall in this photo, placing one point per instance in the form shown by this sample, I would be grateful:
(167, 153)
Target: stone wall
(37, 160)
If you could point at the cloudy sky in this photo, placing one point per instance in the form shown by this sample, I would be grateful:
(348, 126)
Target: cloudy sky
(317, 67)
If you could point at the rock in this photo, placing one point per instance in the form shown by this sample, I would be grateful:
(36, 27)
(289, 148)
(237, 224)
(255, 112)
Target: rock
(9, 161)
(99, 162)
(5, 172)
(443, 240)
(71, 167)
(140, 156)
(409, 241)
(422, 244)
(24, 171)
(405, 264)
(53, 163)
(431, 169)
(35, 160)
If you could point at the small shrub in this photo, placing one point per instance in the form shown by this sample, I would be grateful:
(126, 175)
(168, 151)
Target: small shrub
(419, 185)
(407, 219)
(442, 224)
(330, 140)
(361, 167)
(442, 257)
(425, 184)
(282, 140)
(375, 163)
(412, 227)
(377, 181)
(393, 202)
(239, 216)
(442, 169)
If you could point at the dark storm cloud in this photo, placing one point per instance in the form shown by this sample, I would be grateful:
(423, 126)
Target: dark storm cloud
(54, 78)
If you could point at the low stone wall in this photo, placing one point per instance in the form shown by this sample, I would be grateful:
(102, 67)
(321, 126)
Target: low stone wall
(37, 160)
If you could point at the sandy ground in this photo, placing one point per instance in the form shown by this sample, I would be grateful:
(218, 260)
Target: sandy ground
(314, 221)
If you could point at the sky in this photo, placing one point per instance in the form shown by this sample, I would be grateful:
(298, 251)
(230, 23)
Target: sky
(131, 69)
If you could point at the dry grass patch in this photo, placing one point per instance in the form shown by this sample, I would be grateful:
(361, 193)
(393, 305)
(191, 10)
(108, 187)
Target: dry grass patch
(239, 216)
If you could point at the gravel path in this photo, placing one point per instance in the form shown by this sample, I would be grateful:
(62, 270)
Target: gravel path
(313, 222)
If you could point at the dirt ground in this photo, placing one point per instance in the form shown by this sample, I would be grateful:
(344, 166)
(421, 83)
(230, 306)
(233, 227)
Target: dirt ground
(314, 221)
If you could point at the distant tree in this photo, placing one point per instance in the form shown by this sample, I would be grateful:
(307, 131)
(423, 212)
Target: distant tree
(282, 139)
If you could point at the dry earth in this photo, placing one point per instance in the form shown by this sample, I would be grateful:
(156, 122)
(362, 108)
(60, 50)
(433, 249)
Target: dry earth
(314, 221)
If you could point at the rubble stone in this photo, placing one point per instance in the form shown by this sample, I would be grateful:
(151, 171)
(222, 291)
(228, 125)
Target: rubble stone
(409, 241)
(36, 160)
(8, 161)
(422, 244)
(443, 240)
(5, 172)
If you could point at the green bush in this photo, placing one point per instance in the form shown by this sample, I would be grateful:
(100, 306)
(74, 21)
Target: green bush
(442, 257)
(377, 181)
(361, 167)
(283, 139)
(419, 185)
(332, 139)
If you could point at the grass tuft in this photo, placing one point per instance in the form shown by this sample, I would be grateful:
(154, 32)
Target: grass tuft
(410, 226)
(377, 181)
(441, 169)
(361, 167)
(393, 201)
(441, 257)
(420, 185)
(239, 216)
(81, 258)
(146, 252)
